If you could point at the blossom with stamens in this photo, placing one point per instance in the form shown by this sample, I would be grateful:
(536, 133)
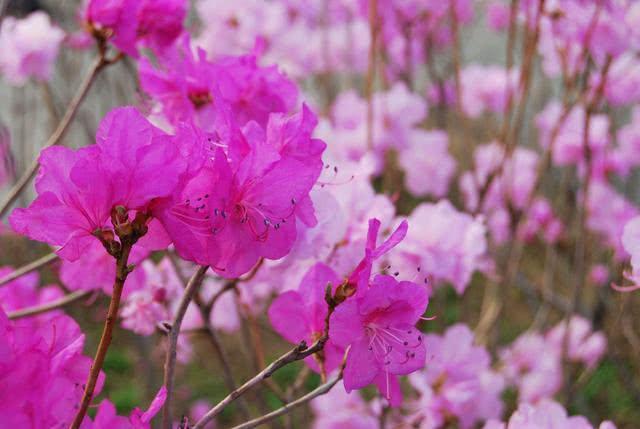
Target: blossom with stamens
(245, 202)
(379, 329)
(131, 165)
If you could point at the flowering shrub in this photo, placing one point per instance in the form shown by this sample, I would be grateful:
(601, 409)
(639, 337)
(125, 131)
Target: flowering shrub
(392, 213)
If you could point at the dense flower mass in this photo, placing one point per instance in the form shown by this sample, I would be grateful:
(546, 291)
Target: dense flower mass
(284, 190)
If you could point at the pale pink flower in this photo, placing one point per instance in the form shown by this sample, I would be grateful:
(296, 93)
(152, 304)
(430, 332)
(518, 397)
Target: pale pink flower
(28, 48)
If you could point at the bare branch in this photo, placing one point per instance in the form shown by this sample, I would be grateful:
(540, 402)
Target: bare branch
(299, 352)
(286, 408)
(49, 306)
(26, 269)
(170, 361)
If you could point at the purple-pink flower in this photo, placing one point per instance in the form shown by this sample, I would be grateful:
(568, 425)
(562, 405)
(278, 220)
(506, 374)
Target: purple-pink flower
(132, 164)
(28, 47)
(378, 327)
(301, 315)
(245, 203)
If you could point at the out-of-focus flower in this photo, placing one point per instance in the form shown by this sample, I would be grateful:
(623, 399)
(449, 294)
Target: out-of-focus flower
(583, 345)
(427, 164)
(546, 414)
(28, 47)
(129, 23)
(456, 381)
(608, 213)
(533, 365)
(486, 88)
(449, 245)
(339, 409)
(631, 242)
(564, 133)
(498, 15)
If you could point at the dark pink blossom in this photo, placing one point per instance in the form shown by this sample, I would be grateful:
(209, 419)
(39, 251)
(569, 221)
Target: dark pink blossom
(379, 329)
(132, 164)
(301, 315)
(245, 203)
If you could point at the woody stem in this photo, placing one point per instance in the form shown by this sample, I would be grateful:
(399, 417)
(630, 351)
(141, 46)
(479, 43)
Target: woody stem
(122, 271)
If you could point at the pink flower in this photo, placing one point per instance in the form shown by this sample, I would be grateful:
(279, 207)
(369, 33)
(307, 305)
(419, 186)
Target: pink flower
(457, 379)
(608, 213)
(449, 245)
(160, 23)
(154, 300)
(547, 414)
(486, 88)
(427, 164)
(567, 146)
(339, 409)
(132, 164)
(378, 326)
(74, 200)
(127, 23)
(583, 345)
(42, 369)
(498, 15)
(116, 21)
(106, 417)
(191, 88)
(301, 315)
(28, 48)
(533, 365)
(631, 243)
(96, 270)
(245, 203)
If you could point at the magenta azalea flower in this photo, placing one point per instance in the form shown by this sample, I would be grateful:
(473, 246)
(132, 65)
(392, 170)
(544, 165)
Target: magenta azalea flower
(379, 329)
(191, 88)
(127, 23)
(300, 315)
(244, 203)
(132, 164)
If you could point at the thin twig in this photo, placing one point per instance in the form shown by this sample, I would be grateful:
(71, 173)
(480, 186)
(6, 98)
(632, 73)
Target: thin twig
(26, 269)
(59, 132)
(286, 408)
(371, 67)
(227, 373)
(49, 306)
(170, 361)
(299, 352)
(122, 271)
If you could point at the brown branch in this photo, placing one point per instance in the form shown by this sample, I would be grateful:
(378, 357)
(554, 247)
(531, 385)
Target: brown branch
(55, 138)
(371, 67)
(299, 352)
(25, 269)
(49, 306)
(170, 360)
(286, 408)
(122, 271)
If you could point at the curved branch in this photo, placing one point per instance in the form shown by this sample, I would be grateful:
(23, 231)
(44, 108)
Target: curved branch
(49, 306)
(299, 352)
(122, 271)
(59, 132)
(170, 362)
(26, 269)
(320, 390)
